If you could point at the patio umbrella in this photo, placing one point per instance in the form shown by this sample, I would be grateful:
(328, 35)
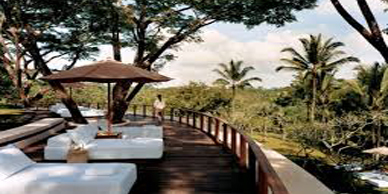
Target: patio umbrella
(380, 150)
(108, 71)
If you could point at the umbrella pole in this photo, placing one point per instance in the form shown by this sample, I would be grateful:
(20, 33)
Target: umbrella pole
(109, 120)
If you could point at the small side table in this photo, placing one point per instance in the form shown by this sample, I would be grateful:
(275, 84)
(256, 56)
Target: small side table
(109, 135)
(77, 156)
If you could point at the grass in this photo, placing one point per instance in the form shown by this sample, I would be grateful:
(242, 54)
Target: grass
(285, 147)
(11, 112)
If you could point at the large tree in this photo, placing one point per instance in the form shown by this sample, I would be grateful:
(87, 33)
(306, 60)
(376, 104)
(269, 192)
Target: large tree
(372, 85)
(233, 75)
(158, 26)
(371, 31)
(319, 60)
(43, 30)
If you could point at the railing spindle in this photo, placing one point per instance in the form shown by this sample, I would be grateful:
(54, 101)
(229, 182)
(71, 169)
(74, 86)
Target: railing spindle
(144, 110)
(172, 114)
(194, 120)
(252, 167)
(243, 152)
(187, 118)
(233, 141)
(209, 125)
(263, 182)
(201, 123)
(134, 110)
(225, 134)
(217, 131)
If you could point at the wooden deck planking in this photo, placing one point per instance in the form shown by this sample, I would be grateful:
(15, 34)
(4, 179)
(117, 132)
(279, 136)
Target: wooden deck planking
(192, 163)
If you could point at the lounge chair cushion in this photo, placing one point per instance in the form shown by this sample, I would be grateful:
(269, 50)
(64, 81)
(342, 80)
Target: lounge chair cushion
(12, 160)
(62, 140)
(378, 182)
(56, 178)
(149, 131)
(139, 148)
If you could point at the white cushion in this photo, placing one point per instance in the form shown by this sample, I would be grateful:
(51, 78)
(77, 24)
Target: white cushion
(58, 178)
(62, 140)
(149, 131)
(12, 160)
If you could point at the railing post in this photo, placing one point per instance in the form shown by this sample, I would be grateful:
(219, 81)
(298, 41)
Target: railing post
(134, 110)
(172, 114)
(144, 110)
(201, 123)
(187, 118)
(263, 182)
(225, 134)
(209, 125)
(194, 120)
(153, 112)
(243, 151)
(252, 168)
(233, 141)
(180, 117)
(217, 130)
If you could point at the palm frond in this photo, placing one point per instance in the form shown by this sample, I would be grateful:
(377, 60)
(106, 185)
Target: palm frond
(289, 68)
(222, 74)
(356, 87)
(335, 64)
(244, 72)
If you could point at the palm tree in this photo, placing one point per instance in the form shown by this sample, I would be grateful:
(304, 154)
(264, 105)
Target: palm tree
(319, 59)
(233, 75)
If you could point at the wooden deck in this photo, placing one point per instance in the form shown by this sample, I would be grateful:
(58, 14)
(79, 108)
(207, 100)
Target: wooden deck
(192, 163)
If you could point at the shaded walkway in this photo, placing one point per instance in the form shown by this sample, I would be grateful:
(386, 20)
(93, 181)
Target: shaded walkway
(192, 163)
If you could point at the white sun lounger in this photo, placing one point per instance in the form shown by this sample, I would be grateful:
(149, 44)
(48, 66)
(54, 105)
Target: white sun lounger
(23, 176)
(377, 182)
(103, 149)
(146, 131)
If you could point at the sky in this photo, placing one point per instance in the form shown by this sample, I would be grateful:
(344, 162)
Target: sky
(260, 47)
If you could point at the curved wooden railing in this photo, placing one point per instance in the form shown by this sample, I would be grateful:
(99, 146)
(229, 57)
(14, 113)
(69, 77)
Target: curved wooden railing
(246, 150)
(250, 156)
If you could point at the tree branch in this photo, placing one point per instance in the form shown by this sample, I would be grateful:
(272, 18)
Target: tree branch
(370, 18)
(354, 23)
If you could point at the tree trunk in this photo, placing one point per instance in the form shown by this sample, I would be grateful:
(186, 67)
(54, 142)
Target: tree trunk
(116, 44)
(120, 105)
(70, 104)
(313, 103)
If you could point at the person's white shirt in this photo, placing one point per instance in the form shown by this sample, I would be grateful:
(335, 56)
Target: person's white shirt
(159, 104)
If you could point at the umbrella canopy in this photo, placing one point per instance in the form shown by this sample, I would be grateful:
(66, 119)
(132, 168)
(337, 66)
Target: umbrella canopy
(380, 150)
(106, 72)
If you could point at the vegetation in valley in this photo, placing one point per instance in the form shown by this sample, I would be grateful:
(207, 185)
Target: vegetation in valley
(319, 121)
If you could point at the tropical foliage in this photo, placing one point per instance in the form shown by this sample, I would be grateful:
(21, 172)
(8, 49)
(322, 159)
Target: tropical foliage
(233, 75)
(317, 64)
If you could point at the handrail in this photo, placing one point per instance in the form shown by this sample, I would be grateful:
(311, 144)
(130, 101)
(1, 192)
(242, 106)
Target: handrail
(247, 151)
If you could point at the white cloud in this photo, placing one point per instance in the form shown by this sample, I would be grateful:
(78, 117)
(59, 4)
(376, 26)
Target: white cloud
(326, 7)
(195, 62)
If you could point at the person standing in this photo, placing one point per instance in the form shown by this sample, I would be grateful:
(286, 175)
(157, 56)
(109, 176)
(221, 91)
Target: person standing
(159, 106)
